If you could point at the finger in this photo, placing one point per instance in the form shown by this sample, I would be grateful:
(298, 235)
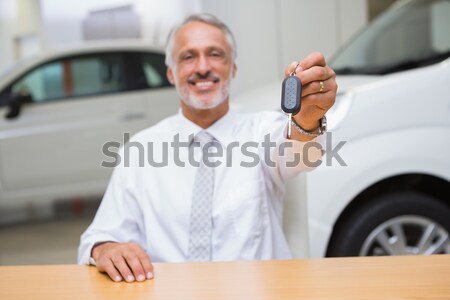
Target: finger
(135, 265)
(312, 88)
(144, 260)
(290, 68)
(315, 74)
(321, 100)
(315, 87)
(313, 59)
(108, 267)
(146, 264)
(121, 265)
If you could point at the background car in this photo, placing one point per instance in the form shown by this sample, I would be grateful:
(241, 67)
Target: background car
(59, 109)
(391, 196)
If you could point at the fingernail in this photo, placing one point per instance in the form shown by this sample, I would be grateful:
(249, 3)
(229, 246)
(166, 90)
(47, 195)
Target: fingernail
(117, 278)
(149, 275)
(130, 278)
(298, 69)
(141, 278)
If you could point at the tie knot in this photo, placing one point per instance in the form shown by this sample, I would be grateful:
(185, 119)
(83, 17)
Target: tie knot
(203, 137)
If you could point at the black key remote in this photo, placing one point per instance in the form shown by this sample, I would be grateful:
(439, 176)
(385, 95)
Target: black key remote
(290, 95)
(291, 92)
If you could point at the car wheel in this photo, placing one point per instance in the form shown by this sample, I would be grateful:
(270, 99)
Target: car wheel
(405, 223)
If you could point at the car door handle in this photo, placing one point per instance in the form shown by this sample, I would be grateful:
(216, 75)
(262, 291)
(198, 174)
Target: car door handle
(132, 116)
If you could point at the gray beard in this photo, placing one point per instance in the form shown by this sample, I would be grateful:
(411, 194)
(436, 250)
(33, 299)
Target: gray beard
(192, 101)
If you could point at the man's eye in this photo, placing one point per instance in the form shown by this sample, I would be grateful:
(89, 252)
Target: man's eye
(187, 57)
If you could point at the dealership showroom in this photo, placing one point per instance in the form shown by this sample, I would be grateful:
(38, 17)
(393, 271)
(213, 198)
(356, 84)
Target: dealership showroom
(239, 149)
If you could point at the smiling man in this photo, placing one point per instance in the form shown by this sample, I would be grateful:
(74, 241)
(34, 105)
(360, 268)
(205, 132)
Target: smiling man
(200, 60)
(212, 211)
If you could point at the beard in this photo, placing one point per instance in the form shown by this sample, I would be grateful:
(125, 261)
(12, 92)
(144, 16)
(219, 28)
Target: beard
(193, 101)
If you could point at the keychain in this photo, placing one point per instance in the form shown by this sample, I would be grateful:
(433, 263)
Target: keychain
(290, 97)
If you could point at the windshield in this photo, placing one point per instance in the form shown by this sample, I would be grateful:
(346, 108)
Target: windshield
(412, 34)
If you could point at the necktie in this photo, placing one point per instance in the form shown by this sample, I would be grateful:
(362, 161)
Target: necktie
(201, 207)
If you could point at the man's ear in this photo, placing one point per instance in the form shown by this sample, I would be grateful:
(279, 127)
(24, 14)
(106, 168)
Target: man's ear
(169, 74)
(234, 70)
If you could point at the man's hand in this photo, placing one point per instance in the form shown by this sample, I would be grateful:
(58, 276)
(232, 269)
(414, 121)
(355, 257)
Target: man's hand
(120, 261)
(318, 90)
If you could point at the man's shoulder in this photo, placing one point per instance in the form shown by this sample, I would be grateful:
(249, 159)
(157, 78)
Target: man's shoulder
(158, 130)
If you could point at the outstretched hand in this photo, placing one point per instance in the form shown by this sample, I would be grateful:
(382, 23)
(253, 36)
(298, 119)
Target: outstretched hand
(318, 89)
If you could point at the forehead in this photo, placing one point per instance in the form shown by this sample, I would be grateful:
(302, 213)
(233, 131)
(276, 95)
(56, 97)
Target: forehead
(198, 35)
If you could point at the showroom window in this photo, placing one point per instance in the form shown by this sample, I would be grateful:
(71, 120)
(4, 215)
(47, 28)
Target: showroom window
(72, 77)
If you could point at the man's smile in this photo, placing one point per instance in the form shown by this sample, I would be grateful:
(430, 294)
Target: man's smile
(203, 84)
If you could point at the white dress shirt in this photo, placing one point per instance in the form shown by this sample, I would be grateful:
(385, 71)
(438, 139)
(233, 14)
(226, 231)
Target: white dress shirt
(151, 205)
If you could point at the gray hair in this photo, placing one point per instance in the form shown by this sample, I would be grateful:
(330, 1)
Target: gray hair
(204, 18)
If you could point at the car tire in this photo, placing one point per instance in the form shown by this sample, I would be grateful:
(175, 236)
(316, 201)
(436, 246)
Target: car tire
(394, 224)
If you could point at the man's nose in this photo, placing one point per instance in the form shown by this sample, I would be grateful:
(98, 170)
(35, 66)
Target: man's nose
(203, 65)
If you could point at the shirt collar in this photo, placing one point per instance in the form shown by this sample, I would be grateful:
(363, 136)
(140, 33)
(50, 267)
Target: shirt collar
(221, 130)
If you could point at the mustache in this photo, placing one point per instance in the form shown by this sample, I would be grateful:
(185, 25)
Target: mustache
(207, 76)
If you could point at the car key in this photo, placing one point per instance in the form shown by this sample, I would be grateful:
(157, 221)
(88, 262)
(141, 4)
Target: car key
(291, 92)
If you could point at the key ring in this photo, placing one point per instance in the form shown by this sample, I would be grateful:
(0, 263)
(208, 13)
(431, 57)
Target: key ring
(293, 73)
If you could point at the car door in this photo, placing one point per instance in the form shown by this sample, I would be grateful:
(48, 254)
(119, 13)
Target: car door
(69, 108)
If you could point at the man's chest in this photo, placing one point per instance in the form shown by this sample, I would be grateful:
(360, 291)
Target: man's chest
(239, 202)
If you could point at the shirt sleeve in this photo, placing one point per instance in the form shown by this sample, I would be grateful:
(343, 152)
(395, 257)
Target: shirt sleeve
(118, 218)
(289, 157)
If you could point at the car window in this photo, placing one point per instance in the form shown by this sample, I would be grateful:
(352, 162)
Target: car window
(152, 77)
(4, 99)
(411, 35)
(72, 77)
(154, 69)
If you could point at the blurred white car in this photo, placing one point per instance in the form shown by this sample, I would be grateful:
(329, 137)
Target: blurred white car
(393, 111)
(59, 109)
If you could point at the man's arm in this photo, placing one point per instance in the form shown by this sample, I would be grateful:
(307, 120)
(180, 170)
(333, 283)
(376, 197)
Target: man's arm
(113, 238)
(303, 152)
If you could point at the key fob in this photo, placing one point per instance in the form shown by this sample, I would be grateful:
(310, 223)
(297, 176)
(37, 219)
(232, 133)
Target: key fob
(290, 95)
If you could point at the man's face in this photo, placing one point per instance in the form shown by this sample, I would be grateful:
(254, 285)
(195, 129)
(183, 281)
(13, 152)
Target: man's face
(202, 65)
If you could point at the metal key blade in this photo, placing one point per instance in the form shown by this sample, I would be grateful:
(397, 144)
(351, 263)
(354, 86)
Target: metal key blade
(289, 133)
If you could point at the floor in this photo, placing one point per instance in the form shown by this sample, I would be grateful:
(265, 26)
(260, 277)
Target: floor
(45, 242)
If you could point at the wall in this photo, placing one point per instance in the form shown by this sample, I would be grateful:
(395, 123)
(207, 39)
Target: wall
(19, 19)
(7, 18)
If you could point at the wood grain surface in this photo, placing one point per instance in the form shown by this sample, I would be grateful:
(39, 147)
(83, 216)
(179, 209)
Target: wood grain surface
(402, 277)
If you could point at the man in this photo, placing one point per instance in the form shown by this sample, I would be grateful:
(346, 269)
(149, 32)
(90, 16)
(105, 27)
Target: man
(187, 212)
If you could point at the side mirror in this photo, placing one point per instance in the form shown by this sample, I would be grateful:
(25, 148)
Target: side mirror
(15, 104)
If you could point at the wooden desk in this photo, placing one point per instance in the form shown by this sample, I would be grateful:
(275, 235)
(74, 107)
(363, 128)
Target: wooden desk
(410, 277)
